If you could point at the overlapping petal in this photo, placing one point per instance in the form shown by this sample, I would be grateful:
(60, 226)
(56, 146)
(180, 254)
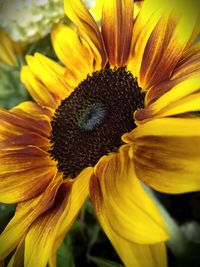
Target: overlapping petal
(44, 230)
(189, 63)
(17, 259)
(188, 104)
(34, 109)
(13, 142)
(19, 122)
(117, 28)
(78, 57)
(160, 38)
(187, 67)
(37, 90)
(182, 97)
(79, 192)
(88, 28)
(55, 223)
(124, 211)
(31, 167)
(133, 254)
(125, 202)
(27, 212)
(137, 8)
(23, 157)
(19, 127)
(166, 153)
(45, 80)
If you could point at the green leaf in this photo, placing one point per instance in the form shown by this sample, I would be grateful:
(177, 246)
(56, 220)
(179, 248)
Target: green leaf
(103, 262)
(12, 91)
(6, 213)
(65, 254)
(43, 46)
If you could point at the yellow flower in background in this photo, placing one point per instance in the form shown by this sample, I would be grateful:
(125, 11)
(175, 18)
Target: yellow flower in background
(118, 109)
(9, 50)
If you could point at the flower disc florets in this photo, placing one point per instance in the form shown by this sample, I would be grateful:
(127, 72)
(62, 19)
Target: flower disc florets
(90, 122)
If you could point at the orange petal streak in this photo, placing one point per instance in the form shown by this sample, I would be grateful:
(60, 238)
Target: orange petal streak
(48, 231)
(162, 32)
(117, 25)
(25, 214)
(24, 173)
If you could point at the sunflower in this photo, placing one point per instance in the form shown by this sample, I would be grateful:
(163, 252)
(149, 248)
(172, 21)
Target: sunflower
(120, 108)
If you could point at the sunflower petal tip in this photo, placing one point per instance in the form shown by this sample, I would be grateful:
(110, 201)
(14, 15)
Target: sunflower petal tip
(28, 57)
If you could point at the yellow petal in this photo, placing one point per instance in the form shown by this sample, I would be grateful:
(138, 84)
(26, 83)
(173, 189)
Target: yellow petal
(166, 154)
(96, 10)
(128, 207)
(161, 33)
(155, 92)
(137, 8)
(25, 214)
(166, 127)
(33, 108)
(147, 19)
(19, 141)
(22, 158)
(179, 99)
(131, 253)
(72, 52)
(87, 26)
(30, 183)
(48, 73)
(37, 90)
(39, 120)
(78, 195)
(22, 122)
(189, 63)
(187, 104)
(43, 231)
(17, 259)
(25, 173)
(117, 26)
(47, 229)
(9, 50)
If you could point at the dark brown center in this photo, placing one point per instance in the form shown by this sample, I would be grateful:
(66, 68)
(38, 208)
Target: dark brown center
(90, 122)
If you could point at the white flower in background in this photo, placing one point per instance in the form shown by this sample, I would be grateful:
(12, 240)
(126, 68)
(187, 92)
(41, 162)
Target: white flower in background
(29, 20)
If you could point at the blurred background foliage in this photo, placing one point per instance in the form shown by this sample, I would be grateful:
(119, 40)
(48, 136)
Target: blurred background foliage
(12, 91)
